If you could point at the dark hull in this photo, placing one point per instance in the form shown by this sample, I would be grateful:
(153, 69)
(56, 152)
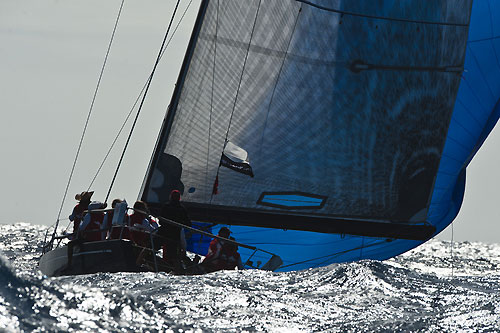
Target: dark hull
(108, 256)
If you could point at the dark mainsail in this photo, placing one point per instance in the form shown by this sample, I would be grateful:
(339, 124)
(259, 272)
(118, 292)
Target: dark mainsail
(347, 100)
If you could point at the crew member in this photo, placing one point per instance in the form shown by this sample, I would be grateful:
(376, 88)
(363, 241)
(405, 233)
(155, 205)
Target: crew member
(77, 215)
(231, 256)
(108, 219)
(90, 229)
(121, 229)
(215, 259)
(139, 219)
(171, 235)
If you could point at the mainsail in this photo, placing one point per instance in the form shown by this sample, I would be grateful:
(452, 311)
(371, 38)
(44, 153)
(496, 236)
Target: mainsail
(349, 112)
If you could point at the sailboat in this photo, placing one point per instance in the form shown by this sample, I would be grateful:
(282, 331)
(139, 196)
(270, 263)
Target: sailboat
(328, 131)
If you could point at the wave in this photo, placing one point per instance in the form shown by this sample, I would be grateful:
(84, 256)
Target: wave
(414, 292)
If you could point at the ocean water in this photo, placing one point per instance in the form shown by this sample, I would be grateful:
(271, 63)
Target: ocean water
(430, 289)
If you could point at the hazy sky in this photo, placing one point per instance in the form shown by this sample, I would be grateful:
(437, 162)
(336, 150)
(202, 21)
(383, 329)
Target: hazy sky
(51, 53)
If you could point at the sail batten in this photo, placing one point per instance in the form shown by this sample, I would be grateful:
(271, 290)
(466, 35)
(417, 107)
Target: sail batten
(317, 4)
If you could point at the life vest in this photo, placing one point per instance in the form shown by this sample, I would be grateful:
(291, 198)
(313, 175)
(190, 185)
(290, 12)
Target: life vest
(93, 230)
(213, 249)
(214, 261)
(116, 231)
(137, 221)
(221, 256)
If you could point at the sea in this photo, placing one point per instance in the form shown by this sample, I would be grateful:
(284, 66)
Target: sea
(438, 287)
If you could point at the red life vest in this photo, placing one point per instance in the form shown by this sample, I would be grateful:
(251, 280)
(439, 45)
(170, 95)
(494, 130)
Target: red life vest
(213, 249)
(138, 236)
(213, 260)
(93, 231)
(221, 256)
(118, 230)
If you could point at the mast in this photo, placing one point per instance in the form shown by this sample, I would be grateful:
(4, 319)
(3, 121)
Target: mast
(172, 108)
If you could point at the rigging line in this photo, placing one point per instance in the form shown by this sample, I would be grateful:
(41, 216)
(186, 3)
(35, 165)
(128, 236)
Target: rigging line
(328, 259)
(116, 137)
(88, 116)
(451, 250)
(278, 79)
(238, 89)
(242, 72)
(343, 12)
(439, 198)
(137, 100)
(150, 79)
(211, 103)
(329, 256)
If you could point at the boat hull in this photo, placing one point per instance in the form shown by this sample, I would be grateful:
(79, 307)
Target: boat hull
(108, 256)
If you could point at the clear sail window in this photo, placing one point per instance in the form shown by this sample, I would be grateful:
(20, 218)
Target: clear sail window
(291, 200)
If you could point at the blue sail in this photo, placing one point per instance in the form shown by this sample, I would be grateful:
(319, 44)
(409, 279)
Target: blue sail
(357, 120)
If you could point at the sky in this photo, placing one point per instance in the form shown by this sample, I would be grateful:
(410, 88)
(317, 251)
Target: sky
(51, 54)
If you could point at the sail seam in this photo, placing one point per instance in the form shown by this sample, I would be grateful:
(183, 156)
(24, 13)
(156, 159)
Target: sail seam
(356, 65)
(482, 73)
(472, 114)
(465, 129)
(492, 33)
(479, 102)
